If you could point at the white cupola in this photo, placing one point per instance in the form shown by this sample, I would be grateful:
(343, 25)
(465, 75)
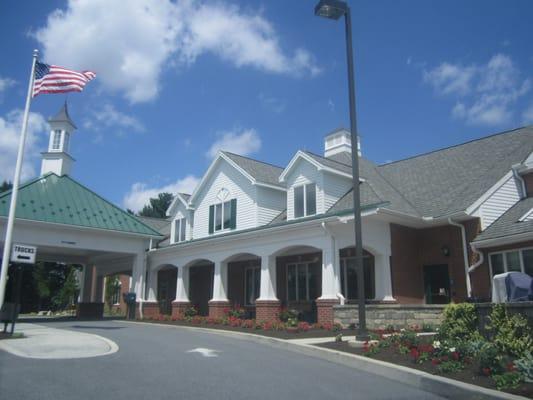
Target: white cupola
(57, 159)
(339, 141)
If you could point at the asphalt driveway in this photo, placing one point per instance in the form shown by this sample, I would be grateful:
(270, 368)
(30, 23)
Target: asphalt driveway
(158, 362)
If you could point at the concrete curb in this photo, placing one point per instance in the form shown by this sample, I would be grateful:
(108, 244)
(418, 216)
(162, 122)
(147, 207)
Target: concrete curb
(445, 387)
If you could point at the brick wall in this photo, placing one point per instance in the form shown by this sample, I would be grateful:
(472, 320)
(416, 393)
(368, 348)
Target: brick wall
(412, 249)
(267, 310)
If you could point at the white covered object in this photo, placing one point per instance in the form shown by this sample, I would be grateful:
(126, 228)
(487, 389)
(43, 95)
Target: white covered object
(499, 289)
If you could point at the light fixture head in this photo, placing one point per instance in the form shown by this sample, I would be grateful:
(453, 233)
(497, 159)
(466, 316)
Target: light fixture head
(332, 9)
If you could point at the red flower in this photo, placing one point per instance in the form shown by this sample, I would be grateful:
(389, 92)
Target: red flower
(511, 367)
(486, 371)
(415, 353)
(435, 361)
(444, 358)
(455, 356)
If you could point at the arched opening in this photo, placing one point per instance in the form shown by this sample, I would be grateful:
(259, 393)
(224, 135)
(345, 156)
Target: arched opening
(201, 273)
(299, 279)
(244, 281)
(166, 288)
(348, 274)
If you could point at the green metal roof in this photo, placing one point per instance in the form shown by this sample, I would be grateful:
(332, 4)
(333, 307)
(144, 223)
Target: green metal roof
(62, 200)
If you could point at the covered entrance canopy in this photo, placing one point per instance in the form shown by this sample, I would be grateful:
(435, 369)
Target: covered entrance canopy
(70, 223)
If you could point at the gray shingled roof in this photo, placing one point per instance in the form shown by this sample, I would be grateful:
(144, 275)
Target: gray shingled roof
(260, 171)
(186, 196)
(161, 225)
(450, 180)
(328, 162)
(508, 224)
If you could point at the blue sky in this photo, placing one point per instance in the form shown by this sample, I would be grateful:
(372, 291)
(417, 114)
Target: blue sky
(179, 80)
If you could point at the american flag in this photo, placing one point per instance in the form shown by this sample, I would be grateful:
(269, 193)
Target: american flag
(54, 79)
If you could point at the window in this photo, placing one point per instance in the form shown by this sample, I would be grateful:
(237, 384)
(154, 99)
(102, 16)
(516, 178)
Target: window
(223, 216)
(180, 226)
(253, 284)
(56, 140)
(115, 296)
(302, 282)
(520, 260)
(304, 200)
(349, 277)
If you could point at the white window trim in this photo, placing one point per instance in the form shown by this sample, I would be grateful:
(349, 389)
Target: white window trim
(176, 233)
(526, 216)
(304, 185)
(119, 288)
(59, 134)
(297, 264)
(215, 231)
(257, 269)
(503, 253)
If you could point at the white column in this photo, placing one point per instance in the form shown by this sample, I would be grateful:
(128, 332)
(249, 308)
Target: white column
(383, 277)
(152, 286)
(329, 278)
(138, 273)
(268, 279)
(87, 283)
(182, 285)
(220, 282)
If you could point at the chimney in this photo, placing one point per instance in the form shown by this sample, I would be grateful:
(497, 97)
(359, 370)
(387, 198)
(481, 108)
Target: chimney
(339, 141)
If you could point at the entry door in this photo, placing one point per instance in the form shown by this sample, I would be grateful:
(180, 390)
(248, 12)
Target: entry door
(437, 284)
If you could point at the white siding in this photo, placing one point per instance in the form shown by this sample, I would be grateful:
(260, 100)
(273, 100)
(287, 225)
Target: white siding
(334, 188)
(270, 203)
(239, 187)
(304, 172)
(500, 201)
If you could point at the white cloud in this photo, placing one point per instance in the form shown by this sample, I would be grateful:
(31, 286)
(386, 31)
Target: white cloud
(108, 116)
(527, 115)
(10, 127)
(6, 83)
(271, 103)
(140, 193)
(244, 143)
(486, 93)
(129, 47)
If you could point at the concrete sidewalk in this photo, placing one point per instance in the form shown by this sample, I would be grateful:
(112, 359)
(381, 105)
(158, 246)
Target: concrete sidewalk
(48, 343)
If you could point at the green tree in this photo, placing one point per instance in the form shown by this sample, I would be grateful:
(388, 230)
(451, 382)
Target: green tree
(68, 292)
(158, 206)
(5, 186)
(112, 284)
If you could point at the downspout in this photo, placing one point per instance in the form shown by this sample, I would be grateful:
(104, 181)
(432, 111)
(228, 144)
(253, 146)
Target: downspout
(328, 231)
(465, 255)
(143, 286)
(480, 259)
(514, 168)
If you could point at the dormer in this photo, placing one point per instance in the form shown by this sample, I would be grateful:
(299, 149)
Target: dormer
(57, 159)
(339, 141)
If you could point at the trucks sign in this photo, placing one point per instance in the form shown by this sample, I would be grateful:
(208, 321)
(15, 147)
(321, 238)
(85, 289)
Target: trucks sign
(23, 254)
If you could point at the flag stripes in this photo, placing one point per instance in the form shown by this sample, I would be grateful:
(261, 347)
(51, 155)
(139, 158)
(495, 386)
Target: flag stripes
(55, 79)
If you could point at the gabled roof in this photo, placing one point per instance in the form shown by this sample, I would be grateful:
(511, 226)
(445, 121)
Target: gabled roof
(181, 197)
(63, 116)
(509, 223)
(450, 180)
(62, 200)
(257, 172)
(319, 162)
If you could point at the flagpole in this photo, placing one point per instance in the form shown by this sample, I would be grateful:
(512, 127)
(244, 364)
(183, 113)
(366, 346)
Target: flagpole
(14, 192)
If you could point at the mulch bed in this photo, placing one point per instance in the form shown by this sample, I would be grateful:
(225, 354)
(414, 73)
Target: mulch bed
(469, 374)
(312, 333)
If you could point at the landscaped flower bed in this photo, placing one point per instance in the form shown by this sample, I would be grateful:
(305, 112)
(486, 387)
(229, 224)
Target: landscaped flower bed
(288, 327)
(502, 359)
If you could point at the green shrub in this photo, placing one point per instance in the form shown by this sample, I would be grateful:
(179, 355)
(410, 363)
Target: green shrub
(449, 366)
(460, 323)
(510, 333)
(490, 359)
(190, 312)
(524, 366)
(508, 380)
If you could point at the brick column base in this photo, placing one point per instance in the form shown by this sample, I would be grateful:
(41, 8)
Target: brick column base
(150, 310)
(324, 310)
(216, 308)
(179, 307)
(267, 310)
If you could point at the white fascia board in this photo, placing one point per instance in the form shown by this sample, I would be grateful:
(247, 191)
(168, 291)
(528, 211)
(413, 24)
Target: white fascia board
(505, 240)
(90, 228)
(173, 205)
(320, 167)
(473, 207)
(526, 215)
(269, 186)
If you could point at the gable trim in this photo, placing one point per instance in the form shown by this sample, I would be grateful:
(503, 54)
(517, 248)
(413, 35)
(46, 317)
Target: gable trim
(476, 204)
(320, 167)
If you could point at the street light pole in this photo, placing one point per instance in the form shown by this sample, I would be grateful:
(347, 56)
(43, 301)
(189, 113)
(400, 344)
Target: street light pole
(334, 9)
